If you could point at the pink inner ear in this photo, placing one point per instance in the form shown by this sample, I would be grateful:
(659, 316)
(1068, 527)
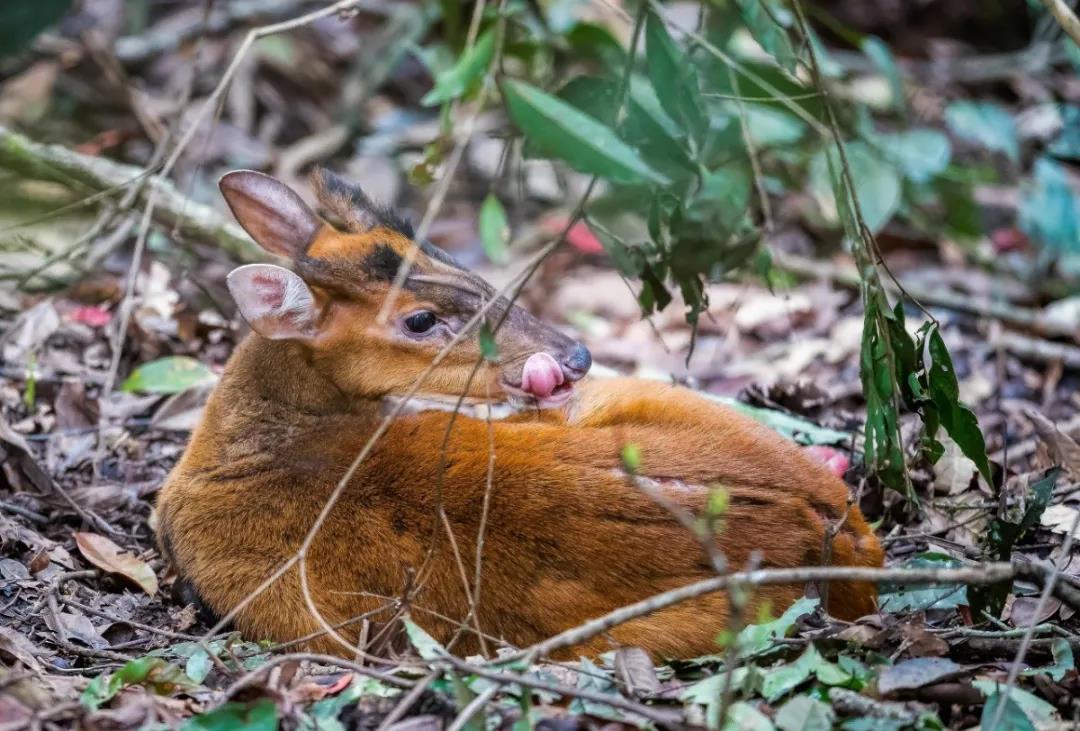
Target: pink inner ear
(269, 289)
(275, 216)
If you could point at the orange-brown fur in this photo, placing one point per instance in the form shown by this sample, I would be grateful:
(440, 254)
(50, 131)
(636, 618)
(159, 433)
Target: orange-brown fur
(567, 538)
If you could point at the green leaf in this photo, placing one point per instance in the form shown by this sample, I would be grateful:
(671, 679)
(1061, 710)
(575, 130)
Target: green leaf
(20, 22)
(494, 230)
(770, 127)
(425, 644)
(920, 597)
(958, 420)
(198, 665)
(153, 673)
(1063, 661)
(1049, 209)
(1038, 711)
(778, 681)
(791, 427)
(455, 82)
(707, 693)
(876, 182)
(649, 129)
(597, 96)
(770, 35)
(742, 716)
(259, 716)
(880, 373)
(674, 78)
(880, 53)
(1012, 717)
(803, 713)
(920, 154)
(172, 374)
(559, 130)
(1067, 144)
(985, 124)
(755, 638)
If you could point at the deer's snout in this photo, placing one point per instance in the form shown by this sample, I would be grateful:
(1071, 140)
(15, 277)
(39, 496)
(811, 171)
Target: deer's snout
(576, 363)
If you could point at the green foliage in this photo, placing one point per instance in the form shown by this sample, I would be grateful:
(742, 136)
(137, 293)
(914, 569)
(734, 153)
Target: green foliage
(756, 638)
(494, 230)
(20, 22)
(804, 713)
(465, 75)
(559, 130)
(1050, 210)
(262, 715)
(153, 673)
(903, 598)
(667, 130)
(425, 645)
(172, 374)
(984, 124)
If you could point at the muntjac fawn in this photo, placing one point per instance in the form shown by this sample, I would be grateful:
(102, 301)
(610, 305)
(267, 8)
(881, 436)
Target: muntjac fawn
(568, 536)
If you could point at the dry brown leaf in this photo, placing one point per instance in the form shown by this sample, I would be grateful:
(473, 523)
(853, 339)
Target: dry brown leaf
(635, 672)
(1063, 449)
(1059, 518)
(15, 645)
(109, 557)
(1022, 611)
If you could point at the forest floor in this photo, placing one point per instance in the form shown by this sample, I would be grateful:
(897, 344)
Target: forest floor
(90, 635)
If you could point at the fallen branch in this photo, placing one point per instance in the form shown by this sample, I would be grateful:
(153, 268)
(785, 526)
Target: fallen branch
(1009, 314)
(99, 177)
(990, 573)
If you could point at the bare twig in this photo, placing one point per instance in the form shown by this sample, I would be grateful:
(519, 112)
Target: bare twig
(990, 573)
(1065, 17)
(408, 700)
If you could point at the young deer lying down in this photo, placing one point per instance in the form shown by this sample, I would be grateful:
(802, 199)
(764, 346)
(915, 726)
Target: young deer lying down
(568, 536)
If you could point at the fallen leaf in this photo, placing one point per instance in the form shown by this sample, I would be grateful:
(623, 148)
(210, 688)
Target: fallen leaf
(109, 557)
(1022, 612)
(1063, 449)
(15, 645)
(1060, 518)
(916, 673)
(72, 626)
(635, 672)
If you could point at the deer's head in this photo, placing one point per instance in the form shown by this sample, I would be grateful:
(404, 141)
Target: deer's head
(341, 278)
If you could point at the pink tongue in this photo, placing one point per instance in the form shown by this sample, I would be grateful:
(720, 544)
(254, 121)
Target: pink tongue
(540, 375)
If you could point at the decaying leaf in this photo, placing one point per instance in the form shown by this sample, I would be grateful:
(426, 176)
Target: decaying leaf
(917, 673)
(1060, 518)
(1063, 449)
(635, 673)
(109, 557)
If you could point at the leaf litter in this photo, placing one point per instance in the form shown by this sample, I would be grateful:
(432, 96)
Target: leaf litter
(119, 651)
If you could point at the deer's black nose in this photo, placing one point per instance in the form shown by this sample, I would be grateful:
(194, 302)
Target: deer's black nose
(577, 363)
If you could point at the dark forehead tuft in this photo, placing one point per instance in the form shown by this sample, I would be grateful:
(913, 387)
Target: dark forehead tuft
(339, 196)
(382, 263)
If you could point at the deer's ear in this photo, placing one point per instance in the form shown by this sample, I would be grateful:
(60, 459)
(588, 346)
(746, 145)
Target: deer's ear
(270, 211)
(275, 302)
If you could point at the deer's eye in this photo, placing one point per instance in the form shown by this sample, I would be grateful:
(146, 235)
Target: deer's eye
(420, 322)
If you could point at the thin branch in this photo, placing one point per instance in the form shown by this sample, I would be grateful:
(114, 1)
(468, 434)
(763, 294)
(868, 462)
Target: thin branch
(1065, 17)
(990, 573)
